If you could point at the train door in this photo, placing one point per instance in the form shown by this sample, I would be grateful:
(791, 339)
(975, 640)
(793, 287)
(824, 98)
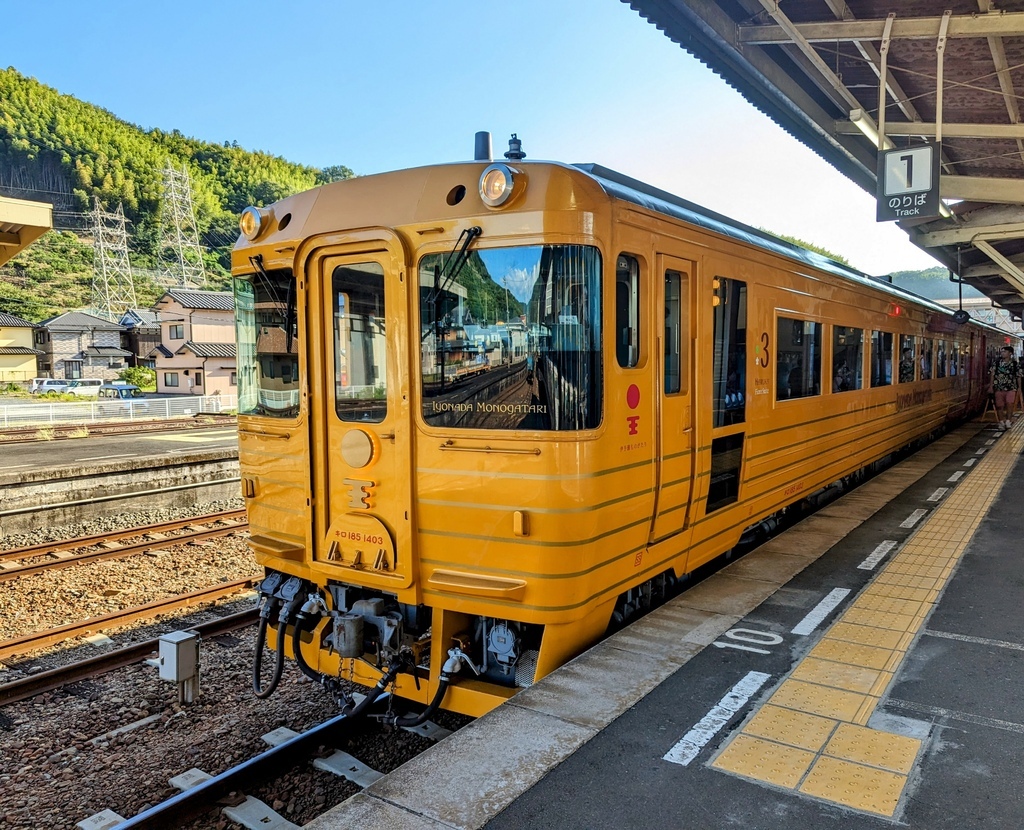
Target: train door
(364, 509)
(728, 391)
(675, 452)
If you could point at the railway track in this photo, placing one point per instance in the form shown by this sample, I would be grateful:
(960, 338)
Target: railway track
(95, 625)
(17, 435)
(48, 681)
(115, 545)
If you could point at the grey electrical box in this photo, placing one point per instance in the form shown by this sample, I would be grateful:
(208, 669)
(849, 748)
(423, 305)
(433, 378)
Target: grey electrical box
(179, 656)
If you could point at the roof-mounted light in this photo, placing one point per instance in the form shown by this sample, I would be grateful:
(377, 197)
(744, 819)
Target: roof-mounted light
(251, 222)
(497, 184)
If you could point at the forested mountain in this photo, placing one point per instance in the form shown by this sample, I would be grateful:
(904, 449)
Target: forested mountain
(56, 148)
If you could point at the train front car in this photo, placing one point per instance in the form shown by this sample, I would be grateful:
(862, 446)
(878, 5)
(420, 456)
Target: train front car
(421, 370)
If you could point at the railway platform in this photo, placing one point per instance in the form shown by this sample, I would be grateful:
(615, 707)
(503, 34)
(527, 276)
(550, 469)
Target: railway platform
(864, 669)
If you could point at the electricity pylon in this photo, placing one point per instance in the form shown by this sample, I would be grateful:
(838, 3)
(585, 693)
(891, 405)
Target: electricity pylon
(113, 289)
(181, 258)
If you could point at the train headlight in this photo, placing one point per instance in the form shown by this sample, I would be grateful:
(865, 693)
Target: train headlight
(497, 183)
(251, 223)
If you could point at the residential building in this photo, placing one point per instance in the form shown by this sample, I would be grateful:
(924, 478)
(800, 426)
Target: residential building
(18, 359)
(141, 336)
(196, 354)
(80, 345)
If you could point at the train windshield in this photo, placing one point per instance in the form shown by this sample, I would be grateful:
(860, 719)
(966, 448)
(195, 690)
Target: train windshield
(513, 340)
(268, 351)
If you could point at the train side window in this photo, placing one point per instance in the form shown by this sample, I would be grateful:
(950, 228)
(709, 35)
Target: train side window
(675, 335)
(847, 358)
(627, 311)
(927, 346)
(881, 358)
(940, 359)
(729, 370)
(907, 365)
(798, 359)
(360, 375)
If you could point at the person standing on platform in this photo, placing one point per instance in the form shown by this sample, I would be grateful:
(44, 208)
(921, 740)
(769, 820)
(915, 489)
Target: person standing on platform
(1005, 377)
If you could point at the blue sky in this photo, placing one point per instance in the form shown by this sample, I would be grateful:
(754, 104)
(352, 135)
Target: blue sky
(385, 85)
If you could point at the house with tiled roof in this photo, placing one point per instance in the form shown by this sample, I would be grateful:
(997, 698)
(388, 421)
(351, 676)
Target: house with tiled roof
(196, 352)
(18, 357)
(80, 345)
(141, 335)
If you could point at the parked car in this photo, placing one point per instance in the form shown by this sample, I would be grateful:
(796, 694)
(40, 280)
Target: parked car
(40, 385)
(121, 398)
(86, 387)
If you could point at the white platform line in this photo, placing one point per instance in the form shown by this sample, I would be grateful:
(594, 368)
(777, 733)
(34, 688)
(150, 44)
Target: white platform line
(820, 611)
(696, 739)
(970, 462)
(956, 476)
(913, 518)
(938, 494)
(990, 442)
(877, 555)
(980, 451)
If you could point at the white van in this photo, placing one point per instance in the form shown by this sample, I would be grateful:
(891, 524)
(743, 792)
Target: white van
(40, 385)
(85, 387)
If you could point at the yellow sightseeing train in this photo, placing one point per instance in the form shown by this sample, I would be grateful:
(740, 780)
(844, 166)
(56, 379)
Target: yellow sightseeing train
(487, 409)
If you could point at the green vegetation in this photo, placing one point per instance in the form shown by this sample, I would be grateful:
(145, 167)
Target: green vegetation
(140, 376)
(59, 145)
(810, 246)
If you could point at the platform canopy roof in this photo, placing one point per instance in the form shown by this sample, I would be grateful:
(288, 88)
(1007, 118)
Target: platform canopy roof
(21, 224)
(948, 69)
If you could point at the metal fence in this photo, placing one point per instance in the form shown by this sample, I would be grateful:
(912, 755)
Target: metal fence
(113, 409)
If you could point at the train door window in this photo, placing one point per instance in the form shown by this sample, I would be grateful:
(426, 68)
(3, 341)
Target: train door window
(360, 348)
(881, 358)
(940, 359)
(627, 311)
(847, 358)
(927, 357)
(798, 358)
(726, 459)
(729, 369)
(675, 335)
(908, 369)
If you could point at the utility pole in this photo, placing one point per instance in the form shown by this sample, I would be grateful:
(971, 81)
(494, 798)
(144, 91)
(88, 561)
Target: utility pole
(113, 289)
(181, 258)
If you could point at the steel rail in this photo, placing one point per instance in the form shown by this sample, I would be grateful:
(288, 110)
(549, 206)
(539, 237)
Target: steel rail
(65, 632)
(44, 548)
(48, 681)
(64, 431)
(116, 553)
(249, 774)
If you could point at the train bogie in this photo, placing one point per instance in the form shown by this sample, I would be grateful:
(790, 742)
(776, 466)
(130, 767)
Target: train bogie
(480, 424)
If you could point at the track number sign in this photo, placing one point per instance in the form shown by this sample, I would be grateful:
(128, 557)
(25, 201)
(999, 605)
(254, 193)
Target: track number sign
(908, 183)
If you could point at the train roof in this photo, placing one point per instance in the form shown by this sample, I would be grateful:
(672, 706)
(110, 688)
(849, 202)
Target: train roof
(632, 190)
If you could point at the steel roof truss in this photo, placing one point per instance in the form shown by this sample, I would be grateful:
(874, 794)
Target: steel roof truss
(997, 24)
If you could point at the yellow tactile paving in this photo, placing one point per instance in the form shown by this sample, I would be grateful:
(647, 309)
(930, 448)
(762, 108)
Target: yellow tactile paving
(861, 745)
(786, 726)
(811, 735)
(857, 786)
(765, 761)
(842, 652)
(841, 676)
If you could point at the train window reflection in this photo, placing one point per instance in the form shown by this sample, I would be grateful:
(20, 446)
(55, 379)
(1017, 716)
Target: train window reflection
(729, 366)
(513, 340)
(360, 348)
(926, 358)
(627, 311)
(266, 328)
(798, 361)
(907, 367)
(847, 358)
(881, 358)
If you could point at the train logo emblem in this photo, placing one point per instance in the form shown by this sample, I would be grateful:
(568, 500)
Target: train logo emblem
(633, 401)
